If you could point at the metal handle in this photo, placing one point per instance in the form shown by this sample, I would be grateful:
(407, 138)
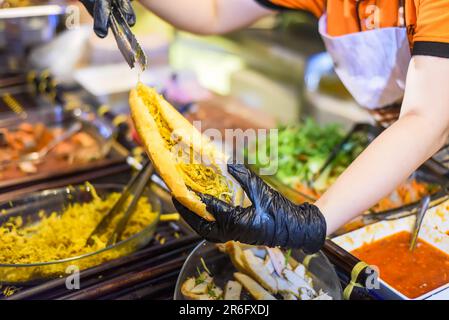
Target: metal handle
(147, 172)
(425, 202)
(126, 41)
(134, 188)
(67, 134)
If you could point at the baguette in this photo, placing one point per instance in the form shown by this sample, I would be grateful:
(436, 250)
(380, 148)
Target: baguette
(185, 159)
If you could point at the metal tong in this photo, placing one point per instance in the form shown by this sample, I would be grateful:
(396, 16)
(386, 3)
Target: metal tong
(133, 191)
(335, 152)
(424, 206)
(126, 41)
(38, 155)
(398, 213)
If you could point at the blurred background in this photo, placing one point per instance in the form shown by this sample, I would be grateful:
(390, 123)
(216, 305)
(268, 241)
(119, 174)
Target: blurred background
(275, 67)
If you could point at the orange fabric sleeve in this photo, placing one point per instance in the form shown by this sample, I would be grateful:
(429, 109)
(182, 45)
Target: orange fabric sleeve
(316, 7)
(431, 31)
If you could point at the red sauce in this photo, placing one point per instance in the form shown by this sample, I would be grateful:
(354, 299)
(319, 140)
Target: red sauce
(412, 274)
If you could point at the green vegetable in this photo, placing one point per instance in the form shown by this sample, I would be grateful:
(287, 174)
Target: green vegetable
(304, 148)
(205, 266)
(200, 279)
(211, 292)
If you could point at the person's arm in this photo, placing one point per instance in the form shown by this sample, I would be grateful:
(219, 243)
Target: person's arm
(208, 16)
(421, 130)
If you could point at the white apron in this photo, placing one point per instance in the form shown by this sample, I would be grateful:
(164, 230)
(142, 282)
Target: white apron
(371, 64)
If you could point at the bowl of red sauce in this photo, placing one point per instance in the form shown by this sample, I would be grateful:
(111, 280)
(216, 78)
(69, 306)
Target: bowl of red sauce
(403, 274)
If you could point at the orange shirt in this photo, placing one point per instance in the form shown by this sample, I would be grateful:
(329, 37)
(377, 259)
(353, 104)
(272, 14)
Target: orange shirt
(427, 21)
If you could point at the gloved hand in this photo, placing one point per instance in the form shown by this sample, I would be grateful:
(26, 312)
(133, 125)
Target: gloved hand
(271, 220)
(100, 10)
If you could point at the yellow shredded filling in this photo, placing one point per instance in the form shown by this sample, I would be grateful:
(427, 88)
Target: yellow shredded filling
(197, 176)
(61, 235)
(205, 180)
(149, 98)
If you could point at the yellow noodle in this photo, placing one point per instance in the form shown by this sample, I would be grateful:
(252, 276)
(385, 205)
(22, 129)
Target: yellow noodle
(197, 176)
(63, 235)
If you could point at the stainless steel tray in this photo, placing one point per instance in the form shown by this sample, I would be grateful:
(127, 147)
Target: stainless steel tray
(22, 28)
(423, 174)
(46, 9)
(101, 130)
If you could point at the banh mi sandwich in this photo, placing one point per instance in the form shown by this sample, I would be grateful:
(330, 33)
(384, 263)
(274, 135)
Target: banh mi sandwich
(187, 161)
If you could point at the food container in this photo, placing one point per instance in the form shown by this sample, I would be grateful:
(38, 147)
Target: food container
(99, 129)
(222, 269)
(362, 133)
(54, 201)
(434, 232)
(22, 28)
(422, 176)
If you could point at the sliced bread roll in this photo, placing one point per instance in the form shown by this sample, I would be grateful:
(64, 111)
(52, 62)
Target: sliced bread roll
(186, 160)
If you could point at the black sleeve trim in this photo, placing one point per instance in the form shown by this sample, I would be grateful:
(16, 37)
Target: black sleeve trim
(270, 5)
(428, 48)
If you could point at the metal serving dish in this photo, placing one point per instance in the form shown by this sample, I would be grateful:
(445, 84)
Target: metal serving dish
(54, 201)
(219, 264)
(421, 175)
(22, 28)
(99, 129)
(434, 231)
(371, 217)
(367, 131)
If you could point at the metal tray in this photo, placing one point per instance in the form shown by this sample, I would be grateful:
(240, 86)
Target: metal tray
(29, 208)
(423, 174)
(430, 233)
(35, 10)
(23, 28)
(149, 273)
(98, 128)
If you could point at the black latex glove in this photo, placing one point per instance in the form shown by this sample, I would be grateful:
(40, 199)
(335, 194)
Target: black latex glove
(272, 220)
(100, 10)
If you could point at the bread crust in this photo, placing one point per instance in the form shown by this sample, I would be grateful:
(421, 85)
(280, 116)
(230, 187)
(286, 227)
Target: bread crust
(162, 158)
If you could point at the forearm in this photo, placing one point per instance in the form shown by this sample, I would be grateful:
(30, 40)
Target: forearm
(207, 16)
(421, 130)
(386, 163)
